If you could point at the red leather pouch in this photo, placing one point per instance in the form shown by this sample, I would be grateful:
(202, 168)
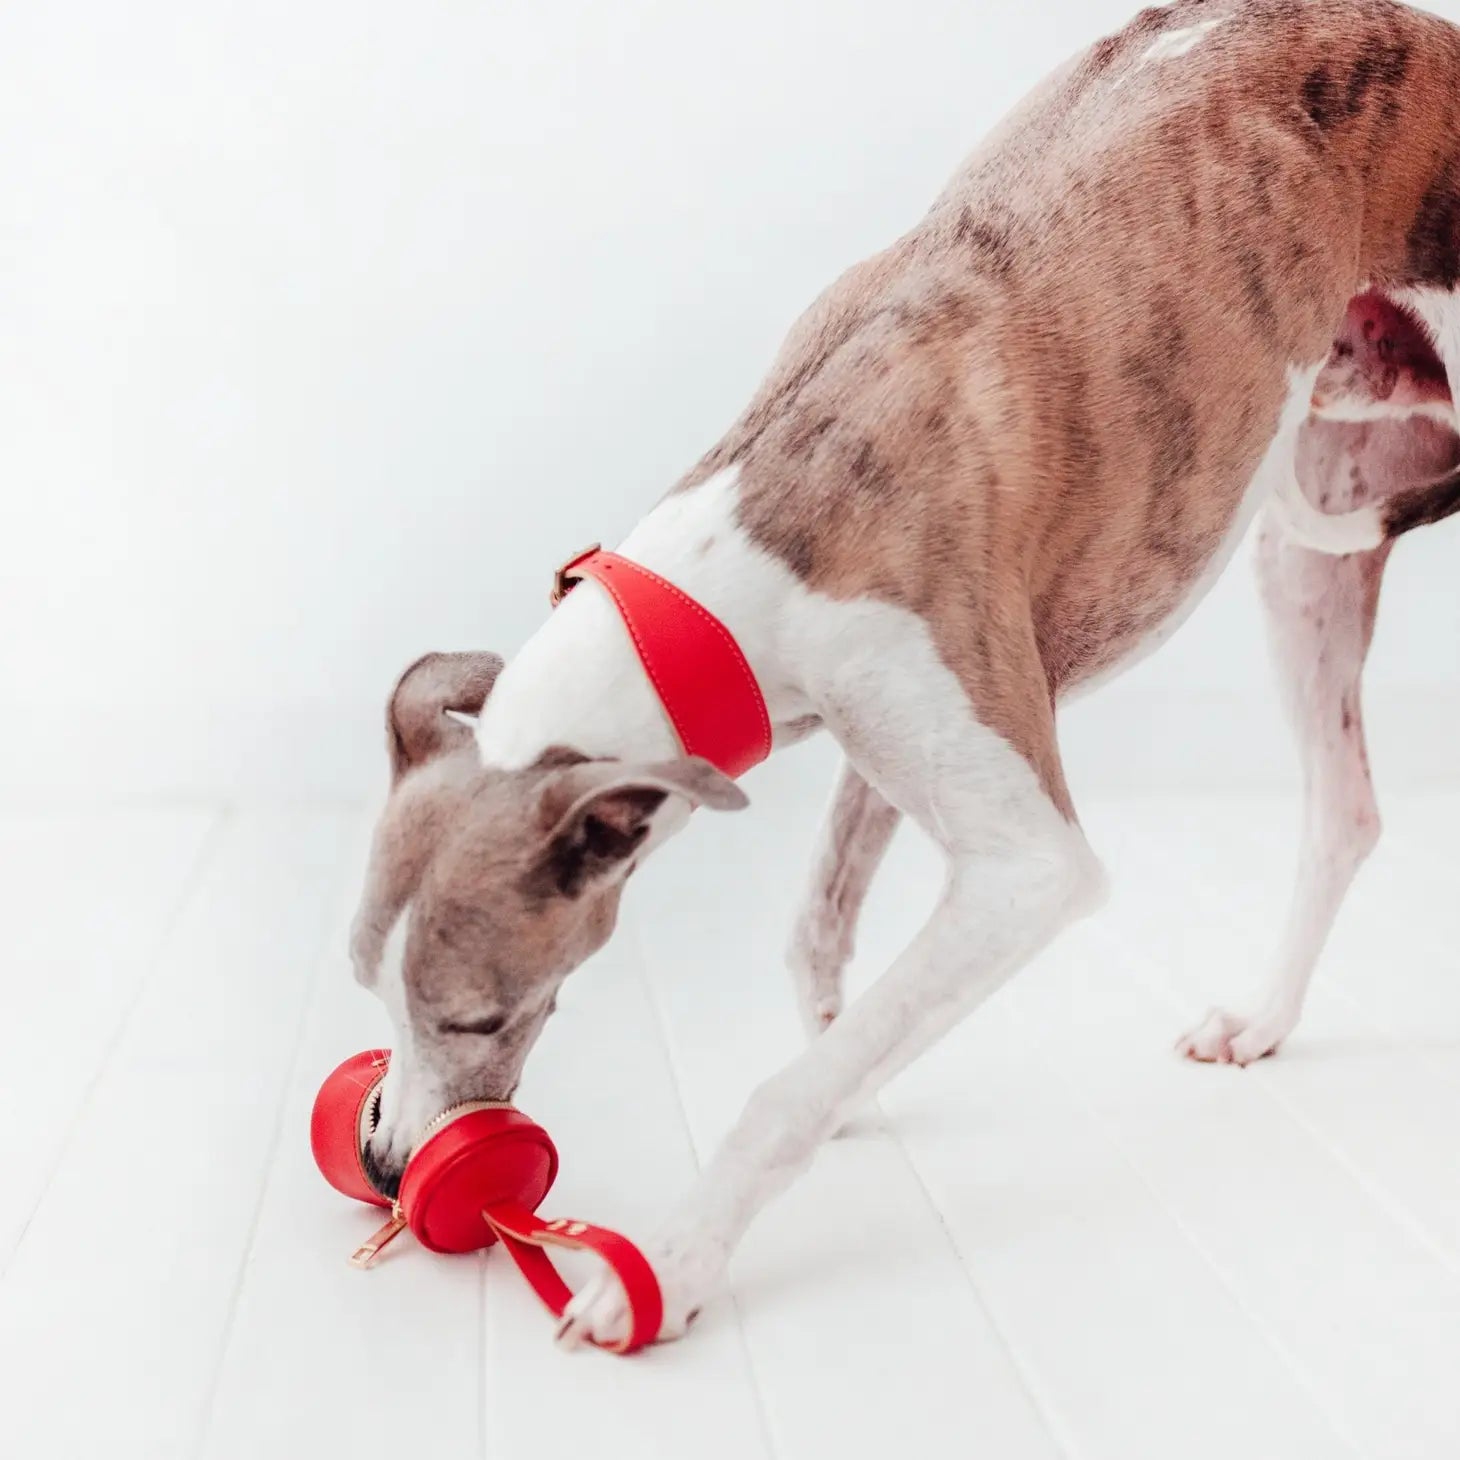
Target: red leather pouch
(476, 1177)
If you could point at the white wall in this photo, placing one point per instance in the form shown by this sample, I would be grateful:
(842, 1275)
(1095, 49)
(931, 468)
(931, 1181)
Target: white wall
(327, 329)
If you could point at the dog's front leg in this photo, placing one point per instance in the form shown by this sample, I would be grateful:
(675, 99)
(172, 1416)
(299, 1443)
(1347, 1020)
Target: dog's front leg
(1019, 870)
(856, 833)
(1320, 614)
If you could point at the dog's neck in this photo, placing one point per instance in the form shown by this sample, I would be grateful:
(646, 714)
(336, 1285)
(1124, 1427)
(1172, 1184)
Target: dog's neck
(578, 681)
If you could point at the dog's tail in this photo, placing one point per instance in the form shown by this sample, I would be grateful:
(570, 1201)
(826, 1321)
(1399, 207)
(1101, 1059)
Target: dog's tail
(1365, 528)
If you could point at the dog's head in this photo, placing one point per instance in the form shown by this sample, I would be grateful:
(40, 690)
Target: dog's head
(487, 887)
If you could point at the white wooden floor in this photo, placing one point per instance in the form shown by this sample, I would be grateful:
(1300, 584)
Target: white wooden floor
(1052, 1238)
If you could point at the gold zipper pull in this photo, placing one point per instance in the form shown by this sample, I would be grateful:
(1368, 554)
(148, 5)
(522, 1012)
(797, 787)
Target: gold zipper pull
(364, 1255)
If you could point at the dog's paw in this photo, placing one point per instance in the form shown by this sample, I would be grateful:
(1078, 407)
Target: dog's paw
(817, 958)
(689, 1274)
(1231, 1039)
(819, 1014)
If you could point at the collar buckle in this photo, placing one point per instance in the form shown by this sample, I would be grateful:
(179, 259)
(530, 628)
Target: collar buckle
(565, 577)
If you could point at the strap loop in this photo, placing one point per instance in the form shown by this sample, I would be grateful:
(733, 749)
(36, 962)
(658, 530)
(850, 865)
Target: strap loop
(525, 1235)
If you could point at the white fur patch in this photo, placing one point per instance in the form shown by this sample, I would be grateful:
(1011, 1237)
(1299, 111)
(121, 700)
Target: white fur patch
(1353, 410)
(578, 680)
(1439, 311)
(409, 1094)
(1179, 42)
(1302, 523)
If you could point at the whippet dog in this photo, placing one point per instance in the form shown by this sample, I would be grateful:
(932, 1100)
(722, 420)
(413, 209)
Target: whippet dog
(995, 462)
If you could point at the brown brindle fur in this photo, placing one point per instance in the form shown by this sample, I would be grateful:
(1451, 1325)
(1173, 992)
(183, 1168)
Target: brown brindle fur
(1032, 419)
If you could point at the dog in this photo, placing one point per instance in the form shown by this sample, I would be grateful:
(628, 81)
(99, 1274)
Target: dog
(992, 464)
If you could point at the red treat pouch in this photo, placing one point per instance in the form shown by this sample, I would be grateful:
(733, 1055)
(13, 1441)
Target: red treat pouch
(477, 1175)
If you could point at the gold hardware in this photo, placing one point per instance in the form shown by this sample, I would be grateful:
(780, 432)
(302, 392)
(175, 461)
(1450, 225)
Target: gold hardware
(563, 579)
(454, 1112)
(364, 1255)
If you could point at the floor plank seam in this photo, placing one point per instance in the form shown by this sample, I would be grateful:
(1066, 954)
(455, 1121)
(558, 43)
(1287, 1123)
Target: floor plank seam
(1048, 1414)
(484, 1354)
(1444, 1073)
(666, 1045)
(661, 1023)
(1290, 1361)
(319, 962)
(187, 888)
(1376, 1194)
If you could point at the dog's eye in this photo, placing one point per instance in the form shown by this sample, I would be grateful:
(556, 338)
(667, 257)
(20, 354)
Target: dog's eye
(490, 1024)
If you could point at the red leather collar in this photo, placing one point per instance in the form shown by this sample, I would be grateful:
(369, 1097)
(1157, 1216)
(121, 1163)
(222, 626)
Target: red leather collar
(696, 667)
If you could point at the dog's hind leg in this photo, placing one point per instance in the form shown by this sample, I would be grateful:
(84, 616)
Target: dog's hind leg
(856, 832)
(1018, 871)
(1320, 615)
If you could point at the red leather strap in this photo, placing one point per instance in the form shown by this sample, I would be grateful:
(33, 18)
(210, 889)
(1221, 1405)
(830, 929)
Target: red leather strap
(525, 1235)
(696, 667)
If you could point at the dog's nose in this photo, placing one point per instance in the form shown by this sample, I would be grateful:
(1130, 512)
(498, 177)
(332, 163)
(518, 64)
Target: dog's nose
(382, 1170)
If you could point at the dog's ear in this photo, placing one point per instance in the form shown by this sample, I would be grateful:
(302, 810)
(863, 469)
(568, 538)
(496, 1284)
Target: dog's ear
(594, 816)
(418, 720)
(409, 831)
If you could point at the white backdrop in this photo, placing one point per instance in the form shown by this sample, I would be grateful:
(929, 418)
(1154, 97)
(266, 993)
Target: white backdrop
(327, 329)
